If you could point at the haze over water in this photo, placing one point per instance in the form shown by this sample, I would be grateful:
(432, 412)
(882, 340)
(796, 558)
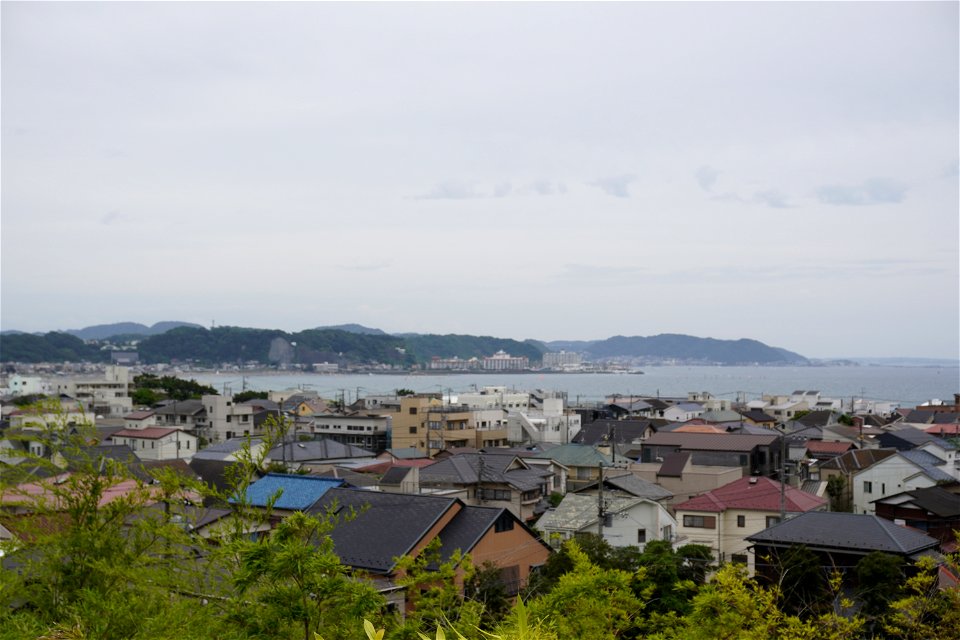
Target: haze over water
(906, 385)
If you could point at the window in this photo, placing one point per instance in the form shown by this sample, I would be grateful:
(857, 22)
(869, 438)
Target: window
(641, 536)
(229, 418)
(504, 523)
(668, 532)
(738, 558)
(413, 429)
(413, 411)
(867, 486)
(700, 522)
(741, 521)
(772, 520)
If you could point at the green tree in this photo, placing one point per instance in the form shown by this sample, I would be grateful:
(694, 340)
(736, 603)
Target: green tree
(589, 601)
(293, 577)
(434, 591)
(880, 576)
(836, 489)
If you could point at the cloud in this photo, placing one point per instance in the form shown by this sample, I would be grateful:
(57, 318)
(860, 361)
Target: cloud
(706, 177)
(112, 217)
(378, 266)
(617, 186)
(451, 191)
(873, 191)
(772, 198)
(952, 170)
(502, 190)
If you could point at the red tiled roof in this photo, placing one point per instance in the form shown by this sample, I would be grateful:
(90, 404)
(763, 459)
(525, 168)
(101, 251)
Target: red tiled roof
(752, 494)
(150, 433)
(946, 429)
(823, 446)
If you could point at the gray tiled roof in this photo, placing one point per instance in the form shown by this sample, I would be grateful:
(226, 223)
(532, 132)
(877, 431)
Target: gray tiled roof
(851, 532)
(634, 485)
(385, 527)
(323, 449)
(929, 463)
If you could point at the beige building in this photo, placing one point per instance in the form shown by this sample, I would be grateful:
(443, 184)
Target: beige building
(722, 518)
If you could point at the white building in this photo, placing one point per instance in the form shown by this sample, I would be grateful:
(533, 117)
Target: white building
(157, 443)
(503, 361)
(227, 419)
(493, 398)
(109, 395)
(553, 424)
(629, 521)
(562, 360)
(18, 385)
(903, 471)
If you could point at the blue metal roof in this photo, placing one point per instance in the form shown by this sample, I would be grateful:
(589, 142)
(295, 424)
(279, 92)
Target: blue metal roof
(297, 493)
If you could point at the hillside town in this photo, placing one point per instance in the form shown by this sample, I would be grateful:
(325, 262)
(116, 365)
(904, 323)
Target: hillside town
(510, 475)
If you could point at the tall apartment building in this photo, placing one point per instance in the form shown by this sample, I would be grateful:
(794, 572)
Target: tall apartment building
(562, 360)
(503, 361)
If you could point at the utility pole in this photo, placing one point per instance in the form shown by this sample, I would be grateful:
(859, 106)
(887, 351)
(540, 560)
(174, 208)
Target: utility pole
(783, 490)
(601, 510)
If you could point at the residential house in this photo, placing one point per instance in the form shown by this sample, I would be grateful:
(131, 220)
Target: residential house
(757, 455)
(620, 482)
(187, 415)
(933, 510)
(372, 540)
(840, 540)
(582, 462)
(759, 418)
(366, 430)
(486, 479)
(157, 443)
(724, 517)
(902, 471)
(627, 520)
(286, 493)
(140, 419)
(680, 476)
(310, 453)
(844, 467)
(683, 411)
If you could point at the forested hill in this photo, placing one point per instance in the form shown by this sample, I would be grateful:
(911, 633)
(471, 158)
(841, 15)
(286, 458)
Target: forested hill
(271, 346)
(686, 348)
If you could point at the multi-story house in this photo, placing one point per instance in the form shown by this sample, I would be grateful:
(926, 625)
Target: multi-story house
(365, 430)
(502, 361)
(902, 471)
(489, 479)
(755, 454)
(157, 443)
(410, 423)
(552, 424)
(227, 419)
(724, 517)
(627, 520)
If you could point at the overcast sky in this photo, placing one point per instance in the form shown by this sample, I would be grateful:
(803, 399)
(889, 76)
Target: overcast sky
(780, 171)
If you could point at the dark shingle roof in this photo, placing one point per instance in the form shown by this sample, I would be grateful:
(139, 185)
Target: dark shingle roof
(395, 475)
(324, 449)
(936, 500)
(674, 464)
(850, 532)
(467, 527)
(385, 527)
(602, 431)
(634, 485)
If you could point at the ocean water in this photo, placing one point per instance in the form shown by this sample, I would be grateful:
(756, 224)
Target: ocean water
(906, 385)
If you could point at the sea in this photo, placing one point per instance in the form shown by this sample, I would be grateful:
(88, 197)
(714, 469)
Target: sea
(906, 385)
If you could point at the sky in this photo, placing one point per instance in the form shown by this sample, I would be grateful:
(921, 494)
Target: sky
(786, 172)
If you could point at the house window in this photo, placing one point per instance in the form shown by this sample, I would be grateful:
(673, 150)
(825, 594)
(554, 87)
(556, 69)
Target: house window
(741, 521)
(413, 411)
(738, 558)
(413, 429)
(700, 522)
(867, 486)
(772, 520)
(668, 532)
(641, 536)
(504, 523)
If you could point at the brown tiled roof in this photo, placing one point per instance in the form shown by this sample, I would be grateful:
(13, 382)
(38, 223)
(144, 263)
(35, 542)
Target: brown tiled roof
(674, 464)
(857, 459)
(710, 441)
